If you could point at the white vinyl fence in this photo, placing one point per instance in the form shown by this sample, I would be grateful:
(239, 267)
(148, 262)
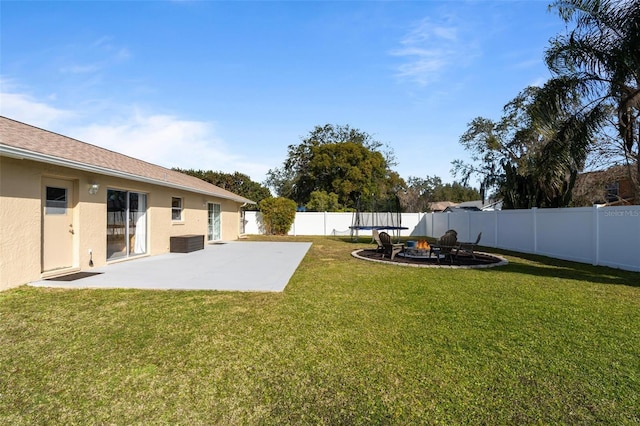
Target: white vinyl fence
(608, 236)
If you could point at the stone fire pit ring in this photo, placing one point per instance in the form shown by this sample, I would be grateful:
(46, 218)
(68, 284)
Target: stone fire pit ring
(370, 255)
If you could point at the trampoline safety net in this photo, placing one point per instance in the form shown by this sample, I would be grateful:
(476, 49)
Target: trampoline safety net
(390, 220)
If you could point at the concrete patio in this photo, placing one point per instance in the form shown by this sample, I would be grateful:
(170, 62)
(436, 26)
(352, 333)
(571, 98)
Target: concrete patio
(232, 266)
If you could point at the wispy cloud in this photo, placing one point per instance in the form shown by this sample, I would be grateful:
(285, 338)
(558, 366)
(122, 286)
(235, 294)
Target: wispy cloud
(431, 48)
(528, 63)
(92, 57)
(80, 69)
(162, 139)
(24, 107)
(116, 52)
(168, 141)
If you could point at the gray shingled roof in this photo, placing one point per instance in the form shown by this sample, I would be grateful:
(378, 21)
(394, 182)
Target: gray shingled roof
(23, 140)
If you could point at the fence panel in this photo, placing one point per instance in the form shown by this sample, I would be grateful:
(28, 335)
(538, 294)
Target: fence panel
(338, 223)
(426, 224)
(484, 222)
(565, 233)
(515, 230)
(310, 223)
(439, 224)
(460, 222)
(252, 223)
(412, 221)
(619, 237)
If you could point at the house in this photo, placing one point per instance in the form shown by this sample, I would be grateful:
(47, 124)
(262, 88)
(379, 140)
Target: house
(440, 206)
(473, 206)
(68, 206)
(613, 186)
(470, 206)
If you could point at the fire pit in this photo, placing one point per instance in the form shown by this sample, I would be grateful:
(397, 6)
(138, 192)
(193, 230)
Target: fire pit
(418, 249)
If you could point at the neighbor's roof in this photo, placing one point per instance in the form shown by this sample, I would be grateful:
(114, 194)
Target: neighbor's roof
(440, 205)
(21, 140)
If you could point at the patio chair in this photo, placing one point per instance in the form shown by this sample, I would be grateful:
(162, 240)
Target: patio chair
(389, 248)
(376, 238)
(447, 246)
(468, 248)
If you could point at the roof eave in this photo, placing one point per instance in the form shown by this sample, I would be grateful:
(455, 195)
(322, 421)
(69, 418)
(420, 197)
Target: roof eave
(23, 154)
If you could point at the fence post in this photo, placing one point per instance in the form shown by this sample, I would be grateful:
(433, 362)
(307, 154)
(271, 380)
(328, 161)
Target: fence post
(294, 224)
(534, 212)
(325, 223)
(495, 227)
(595, 238)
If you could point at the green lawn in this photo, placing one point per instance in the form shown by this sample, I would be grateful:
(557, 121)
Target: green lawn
(348, 342)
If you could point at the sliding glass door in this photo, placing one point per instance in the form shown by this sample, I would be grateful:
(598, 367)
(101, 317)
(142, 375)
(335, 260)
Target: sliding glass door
(126, 224)
(213, 233)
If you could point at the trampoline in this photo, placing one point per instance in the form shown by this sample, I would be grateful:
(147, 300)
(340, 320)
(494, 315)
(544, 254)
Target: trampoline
(388, 220)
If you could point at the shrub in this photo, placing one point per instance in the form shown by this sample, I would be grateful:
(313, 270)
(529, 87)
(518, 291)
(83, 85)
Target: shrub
(278, 214)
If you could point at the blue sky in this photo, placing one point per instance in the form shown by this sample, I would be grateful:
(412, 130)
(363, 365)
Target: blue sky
(229, 85)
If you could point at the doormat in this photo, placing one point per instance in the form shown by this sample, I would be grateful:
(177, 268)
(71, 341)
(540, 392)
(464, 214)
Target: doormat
(73, 277)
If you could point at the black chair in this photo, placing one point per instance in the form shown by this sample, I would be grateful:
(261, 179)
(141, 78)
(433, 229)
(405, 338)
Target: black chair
(376, 238)
(468, 248)
(389, 248)
(447, 246)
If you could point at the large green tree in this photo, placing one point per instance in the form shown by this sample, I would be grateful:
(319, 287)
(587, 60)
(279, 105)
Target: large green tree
(236, 182)
(600, 59)
(335, 159)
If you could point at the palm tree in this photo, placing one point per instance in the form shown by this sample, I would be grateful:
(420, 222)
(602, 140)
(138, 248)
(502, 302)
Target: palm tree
(530, 156)
(600, 61)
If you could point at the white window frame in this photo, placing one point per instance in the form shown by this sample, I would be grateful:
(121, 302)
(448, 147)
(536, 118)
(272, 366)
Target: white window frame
(177, 209)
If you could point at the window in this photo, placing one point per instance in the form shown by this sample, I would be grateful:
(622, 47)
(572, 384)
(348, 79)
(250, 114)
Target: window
(176, 208)
(612, 193)
(56, 201)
